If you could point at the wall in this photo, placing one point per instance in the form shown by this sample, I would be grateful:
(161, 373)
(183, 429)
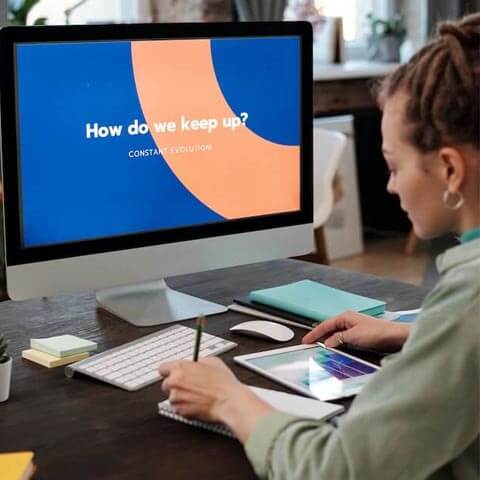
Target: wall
(416, 14)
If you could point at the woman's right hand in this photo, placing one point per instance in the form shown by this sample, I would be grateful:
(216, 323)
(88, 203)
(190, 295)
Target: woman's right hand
(359, 330)
(208, 390)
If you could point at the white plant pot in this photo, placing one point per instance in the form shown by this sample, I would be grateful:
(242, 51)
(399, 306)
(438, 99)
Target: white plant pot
(5, 379)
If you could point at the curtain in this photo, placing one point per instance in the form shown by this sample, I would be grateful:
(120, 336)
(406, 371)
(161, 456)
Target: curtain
(449, 10)
(260, 10)
(190, 10)
(3, 12)
(217, 11)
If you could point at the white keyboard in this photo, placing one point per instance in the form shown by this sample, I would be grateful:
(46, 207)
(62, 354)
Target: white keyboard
(134, 365)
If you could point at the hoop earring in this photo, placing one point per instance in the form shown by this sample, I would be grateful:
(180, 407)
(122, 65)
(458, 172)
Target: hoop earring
(447, 200)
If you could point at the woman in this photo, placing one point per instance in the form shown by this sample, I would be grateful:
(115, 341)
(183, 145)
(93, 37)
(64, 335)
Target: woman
(419, 415)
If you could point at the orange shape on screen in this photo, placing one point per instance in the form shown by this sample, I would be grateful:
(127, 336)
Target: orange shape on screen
(243, 174)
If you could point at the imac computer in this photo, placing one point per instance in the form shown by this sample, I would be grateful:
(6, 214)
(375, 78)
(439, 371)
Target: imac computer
(136, 152)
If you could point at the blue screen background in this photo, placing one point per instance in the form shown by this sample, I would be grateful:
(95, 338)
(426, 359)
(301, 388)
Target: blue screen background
(74, 189)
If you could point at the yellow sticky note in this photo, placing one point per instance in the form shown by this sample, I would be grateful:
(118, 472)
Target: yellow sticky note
(50, 361)
(16, 465)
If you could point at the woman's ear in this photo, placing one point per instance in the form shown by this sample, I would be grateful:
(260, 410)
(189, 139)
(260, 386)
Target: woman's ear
(453, 168)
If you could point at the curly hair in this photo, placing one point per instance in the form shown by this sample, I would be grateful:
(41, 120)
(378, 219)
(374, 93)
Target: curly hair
(442, 82)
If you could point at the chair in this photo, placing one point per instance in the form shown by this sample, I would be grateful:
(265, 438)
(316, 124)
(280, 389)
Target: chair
(328, 147)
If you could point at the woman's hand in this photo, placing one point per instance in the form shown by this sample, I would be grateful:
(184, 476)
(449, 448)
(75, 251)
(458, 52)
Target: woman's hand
(359, 330)
(199, 389)
(208, 390)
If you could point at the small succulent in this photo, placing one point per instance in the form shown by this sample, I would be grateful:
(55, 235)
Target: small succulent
(4, 357)
(392, 26)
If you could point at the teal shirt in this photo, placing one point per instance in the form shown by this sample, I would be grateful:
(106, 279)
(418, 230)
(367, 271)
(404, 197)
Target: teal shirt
(470, 235)
(418, 418)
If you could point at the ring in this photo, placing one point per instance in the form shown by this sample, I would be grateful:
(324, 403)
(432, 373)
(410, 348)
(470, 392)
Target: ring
(341, 339)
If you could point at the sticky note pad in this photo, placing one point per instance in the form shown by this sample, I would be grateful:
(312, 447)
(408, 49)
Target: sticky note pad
(16, 465)
(316, 301)
(62, 345)
(50, 361)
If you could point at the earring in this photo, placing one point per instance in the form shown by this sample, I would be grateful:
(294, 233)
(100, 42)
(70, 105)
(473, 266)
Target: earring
(447, 202)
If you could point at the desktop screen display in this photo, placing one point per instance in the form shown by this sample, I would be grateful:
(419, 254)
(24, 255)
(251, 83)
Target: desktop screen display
(125, 137)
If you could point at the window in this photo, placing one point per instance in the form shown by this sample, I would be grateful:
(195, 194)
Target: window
(355, 24)
(353, 13)
(61, 12)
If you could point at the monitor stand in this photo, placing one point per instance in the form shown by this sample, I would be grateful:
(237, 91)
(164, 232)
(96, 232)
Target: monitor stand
(153, 303)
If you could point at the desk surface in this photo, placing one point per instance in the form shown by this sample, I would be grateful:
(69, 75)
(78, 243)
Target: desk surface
(82, 428)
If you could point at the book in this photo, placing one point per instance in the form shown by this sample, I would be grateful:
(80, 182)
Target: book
(17, 465)
(316, 301)
(284, 402)
(62, 345)
(50, 361)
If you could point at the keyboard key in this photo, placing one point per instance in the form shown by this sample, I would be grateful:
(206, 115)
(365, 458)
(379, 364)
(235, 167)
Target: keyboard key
(150, 376)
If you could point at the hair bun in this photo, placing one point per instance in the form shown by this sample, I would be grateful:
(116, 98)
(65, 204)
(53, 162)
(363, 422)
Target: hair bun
(446, 28)
(467, 32)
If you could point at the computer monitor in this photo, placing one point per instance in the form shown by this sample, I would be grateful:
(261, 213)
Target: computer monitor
(136, 152)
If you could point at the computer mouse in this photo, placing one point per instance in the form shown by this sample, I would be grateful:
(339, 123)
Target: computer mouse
(263, 329)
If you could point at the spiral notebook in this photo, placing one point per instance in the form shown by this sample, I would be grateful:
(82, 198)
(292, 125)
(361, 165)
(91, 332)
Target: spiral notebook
(284, 402)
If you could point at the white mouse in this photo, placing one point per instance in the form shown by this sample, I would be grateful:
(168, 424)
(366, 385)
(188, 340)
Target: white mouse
(264, 329)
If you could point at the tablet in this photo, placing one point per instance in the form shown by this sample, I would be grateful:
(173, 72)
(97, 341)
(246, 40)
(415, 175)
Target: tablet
(315, 370)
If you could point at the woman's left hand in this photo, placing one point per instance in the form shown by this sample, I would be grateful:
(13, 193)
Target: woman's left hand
(209, 390)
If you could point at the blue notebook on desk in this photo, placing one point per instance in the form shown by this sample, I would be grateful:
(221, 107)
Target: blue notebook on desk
(316, 301)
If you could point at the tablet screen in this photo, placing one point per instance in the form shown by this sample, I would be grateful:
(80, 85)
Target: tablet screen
(326, 374)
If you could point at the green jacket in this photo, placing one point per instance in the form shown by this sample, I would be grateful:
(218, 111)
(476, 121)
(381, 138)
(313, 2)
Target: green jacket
(418, 418)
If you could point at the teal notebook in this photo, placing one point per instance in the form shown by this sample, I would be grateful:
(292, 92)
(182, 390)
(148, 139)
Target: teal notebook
(62, 345)
(315, 300)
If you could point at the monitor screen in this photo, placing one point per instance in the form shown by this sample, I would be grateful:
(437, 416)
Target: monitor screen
(117, 138)
(126, 137)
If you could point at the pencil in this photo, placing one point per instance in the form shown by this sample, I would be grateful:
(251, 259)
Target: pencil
(198, 336)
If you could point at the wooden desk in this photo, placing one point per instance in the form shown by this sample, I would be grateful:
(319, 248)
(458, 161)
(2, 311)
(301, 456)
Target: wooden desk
(85, 429)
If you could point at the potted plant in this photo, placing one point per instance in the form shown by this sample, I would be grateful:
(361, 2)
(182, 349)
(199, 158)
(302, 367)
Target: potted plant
(18, 11)
(5, 370)
(385, 39)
